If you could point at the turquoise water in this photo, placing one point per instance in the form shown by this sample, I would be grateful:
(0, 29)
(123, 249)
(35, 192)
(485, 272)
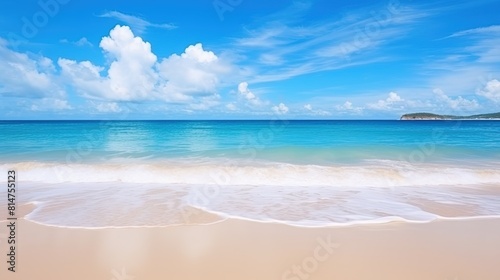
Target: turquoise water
(302, 142)
(304, 173)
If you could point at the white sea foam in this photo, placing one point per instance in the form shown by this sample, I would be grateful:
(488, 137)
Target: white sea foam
(370, 174)
(98, 205)
(162, 194)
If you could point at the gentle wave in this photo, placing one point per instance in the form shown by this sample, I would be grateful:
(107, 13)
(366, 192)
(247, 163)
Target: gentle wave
(102, 205)
(137, 194)
(382, 173)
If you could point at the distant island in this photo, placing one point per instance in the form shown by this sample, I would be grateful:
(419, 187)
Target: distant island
(430, 116)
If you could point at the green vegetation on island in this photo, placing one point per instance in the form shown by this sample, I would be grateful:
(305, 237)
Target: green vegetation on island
(430, 116)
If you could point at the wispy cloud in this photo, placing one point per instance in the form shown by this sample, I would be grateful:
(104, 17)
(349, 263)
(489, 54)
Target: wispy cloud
(284, 49)
(483, 43)
(488, 31)
(139, 25)
(82, 42)
(464, 70)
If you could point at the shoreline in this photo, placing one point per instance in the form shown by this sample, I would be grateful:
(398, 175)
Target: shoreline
(98, 207)
(27, 208)
(375, 222)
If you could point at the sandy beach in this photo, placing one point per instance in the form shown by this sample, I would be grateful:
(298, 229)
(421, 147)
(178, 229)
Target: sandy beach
(249, 140)
(237, 249)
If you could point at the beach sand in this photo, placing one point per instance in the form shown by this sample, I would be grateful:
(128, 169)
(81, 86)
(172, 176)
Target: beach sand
(238, 249)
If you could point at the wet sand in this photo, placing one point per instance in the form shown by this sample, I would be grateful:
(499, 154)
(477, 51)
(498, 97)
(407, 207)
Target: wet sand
(237, 249)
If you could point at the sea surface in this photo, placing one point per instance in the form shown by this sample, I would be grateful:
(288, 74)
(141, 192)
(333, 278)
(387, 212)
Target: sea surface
(97, 174)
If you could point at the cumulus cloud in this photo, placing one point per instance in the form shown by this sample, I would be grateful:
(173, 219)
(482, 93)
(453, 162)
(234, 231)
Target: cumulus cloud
(136, 75)
(491, 90)
(130, 76)
(309, 108)
(26, 76)
(280, 109)
(394, 97)
(392, 102)
(194, 72)
(248, 95)
(138, 24)
(349, 107)
(197, 53)
(458, 103)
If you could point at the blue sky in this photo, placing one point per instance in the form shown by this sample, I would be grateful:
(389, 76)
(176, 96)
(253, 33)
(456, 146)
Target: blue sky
(242, 59)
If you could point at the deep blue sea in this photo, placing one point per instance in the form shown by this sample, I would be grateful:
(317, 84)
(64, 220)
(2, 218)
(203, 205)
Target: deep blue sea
(298, 172)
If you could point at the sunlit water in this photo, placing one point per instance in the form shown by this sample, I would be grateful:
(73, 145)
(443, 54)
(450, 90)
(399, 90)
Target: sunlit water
(306, 173)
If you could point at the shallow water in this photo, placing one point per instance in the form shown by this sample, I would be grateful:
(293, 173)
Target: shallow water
(305, 173)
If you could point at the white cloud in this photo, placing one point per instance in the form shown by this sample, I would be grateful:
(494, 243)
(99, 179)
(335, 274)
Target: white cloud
(51, 104)
(316, 112)
(280, 109)
(295, 49)
(243, 90)
(82, 42)
(136, 75)
(197, 53)
(205, 102)
(489, 30)
(138, 24)
(392, 102)
(107, 107)
(349, 107)
(130, 76)
(194, 72)
(84, 76)
(458, 103)
(231, 107)
(27, 76)
(270, 59)
(475, 56)
(248, 95)
(263, 38)
(491, 90)
(394, 97)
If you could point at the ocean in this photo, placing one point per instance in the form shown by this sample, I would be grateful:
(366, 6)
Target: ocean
(96, 174)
